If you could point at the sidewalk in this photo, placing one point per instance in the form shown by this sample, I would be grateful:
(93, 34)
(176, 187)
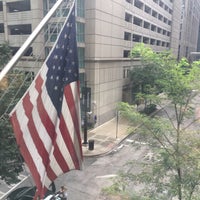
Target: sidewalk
(106, 137)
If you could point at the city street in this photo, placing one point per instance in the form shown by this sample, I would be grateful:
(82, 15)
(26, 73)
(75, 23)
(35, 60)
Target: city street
(98, 172)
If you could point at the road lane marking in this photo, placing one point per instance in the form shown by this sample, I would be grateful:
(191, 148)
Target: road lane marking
(107, 176)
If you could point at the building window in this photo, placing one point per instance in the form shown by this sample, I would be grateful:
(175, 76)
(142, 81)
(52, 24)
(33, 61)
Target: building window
(152, 41)
(158, 42)
(138, 4)
(160, 17)
(81, 57)
(19, 6)
(165, 20)
(128, 17)
(137, 21)
(127, 36)
(167, 45)
(164, 32)
(126, 53)
(159, 30)
(1, 6)
(80, 32)
(154, 14)
(153, 27)
(146, 40)
(61, 12)
(147, 9)
(80, 8)
(129, 1)
(29, 52)
(163, 44)
(146, 25)
(53, 31)
(23, 29)
(137, 38)
(161, 4)
(1, 28)
(47, 5)
(166, 8)
(169, 22)
(180, 35)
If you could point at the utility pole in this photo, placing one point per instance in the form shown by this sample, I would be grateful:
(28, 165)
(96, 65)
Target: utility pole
(85, 104)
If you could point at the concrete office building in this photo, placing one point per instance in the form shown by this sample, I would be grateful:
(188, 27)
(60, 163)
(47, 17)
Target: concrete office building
(112, 29)
(17, 20)
(189, 33)
(106, 32)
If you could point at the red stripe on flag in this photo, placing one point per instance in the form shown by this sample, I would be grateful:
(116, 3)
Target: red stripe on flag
(35, 136)
(50, 128)
(28, 107)
(24, 150)
(73, 110)
(68, 142)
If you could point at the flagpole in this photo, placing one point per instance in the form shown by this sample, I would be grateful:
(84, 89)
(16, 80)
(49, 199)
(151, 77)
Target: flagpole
(29, 40)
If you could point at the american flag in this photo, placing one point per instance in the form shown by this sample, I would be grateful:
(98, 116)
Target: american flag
(46, 121)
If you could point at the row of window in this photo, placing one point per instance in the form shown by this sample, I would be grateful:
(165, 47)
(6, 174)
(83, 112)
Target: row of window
(138, 38)
(150, 41)
(163, 5)
(139, 22)
(29, 51)
(18, 6)
(153, 13)
(21, 6)
(139, 4)
(54, 29)
(22, 29)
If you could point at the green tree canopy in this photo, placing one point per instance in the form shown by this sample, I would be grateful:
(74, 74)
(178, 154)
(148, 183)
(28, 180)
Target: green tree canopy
(12, 88)
(173, 136)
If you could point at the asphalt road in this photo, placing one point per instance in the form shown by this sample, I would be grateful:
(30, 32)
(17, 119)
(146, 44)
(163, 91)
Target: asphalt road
(98, 172)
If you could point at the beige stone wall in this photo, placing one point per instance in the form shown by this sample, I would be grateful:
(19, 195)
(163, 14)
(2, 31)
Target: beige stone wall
(176, 19)
(190, 28)
(104, 46)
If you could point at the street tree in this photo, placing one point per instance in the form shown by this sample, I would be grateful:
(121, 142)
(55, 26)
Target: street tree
(12, 87)
(144, 77)
(173, 172)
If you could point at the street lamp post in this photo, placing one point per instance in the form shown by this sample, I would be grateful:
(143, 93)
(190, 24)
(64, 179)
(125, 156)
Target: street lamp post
(85, 128)
(117, 123)
(85, 104)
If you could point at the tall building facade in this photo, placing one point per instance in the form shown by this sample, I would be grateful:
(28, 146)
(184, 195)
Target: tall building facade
(17, 21)
(112, 29)
(189, 28)
(106, 33)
